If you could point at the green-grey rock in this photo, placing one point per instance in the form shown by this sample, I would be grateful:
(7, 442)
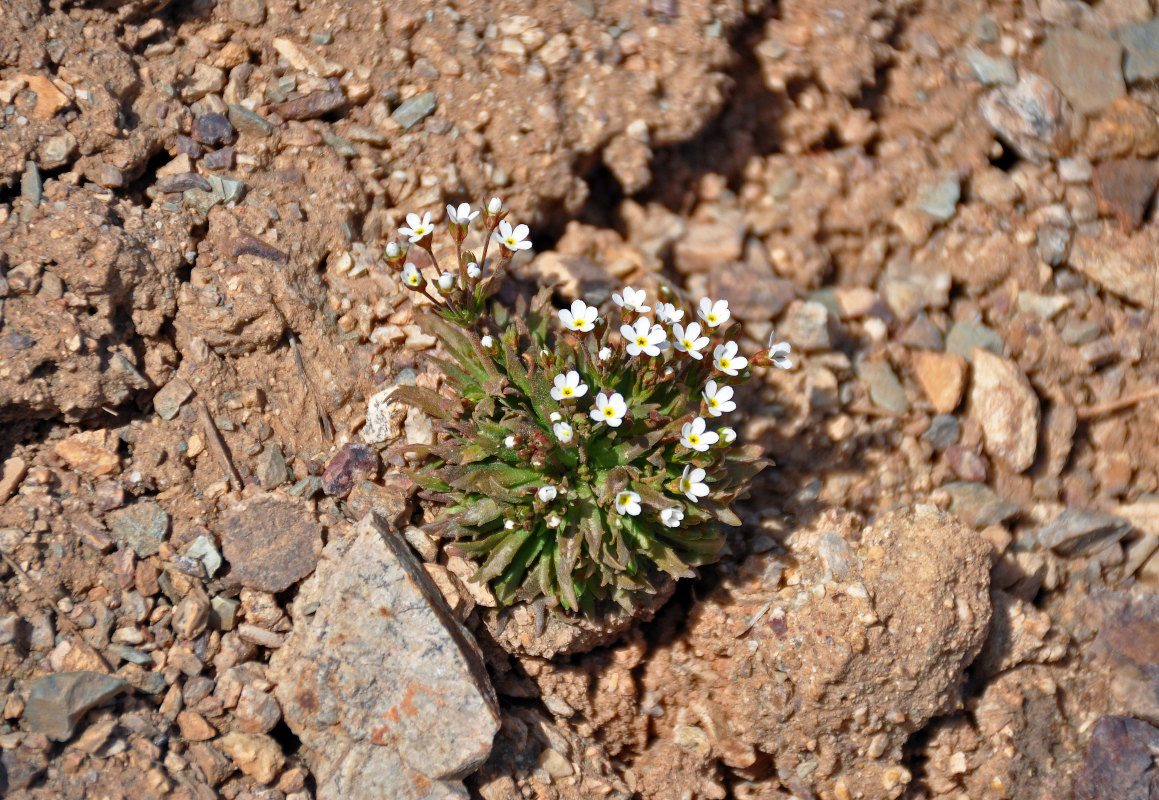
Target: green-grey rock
(415, 110)
(141, 526)
(940, 200)
(248, 122)
(991, 70)
(271, 469)
(342, 147)
(30, 184)
(965, 336)
(1141, 43)
(885, 390)
(200, 201)
(223, 613)
(169, 398)
(978, 505)
(57, 702)
(126, 653)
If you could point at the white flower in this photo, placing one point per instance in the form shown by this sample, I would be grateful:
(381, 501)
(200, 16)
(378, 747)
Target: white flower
(463, 215)
(411, 275)
(718, 399)
(632, 300)
(692, 483)
(495, 205)
(689, 340)
(512, 239)
(418, 227)
(487, 341)
(446, 282)
(694, 437)
(568, 386)
(563, 432)
(547, 493)
(555, 416)
(672, 517)
(509, 442)
(393, 250)
(641, 339)
(581, 317)
(509, 525)
(554, 521)
(610, 409)
(473, 271)
(628, 503)
(727, 434)
(713, 313)
(604, 354)
(726, 359)
(668, 313)
(779, 355)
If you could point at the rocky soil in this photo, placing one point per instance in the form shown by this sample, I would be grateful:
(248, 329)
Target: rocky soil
(214, 582)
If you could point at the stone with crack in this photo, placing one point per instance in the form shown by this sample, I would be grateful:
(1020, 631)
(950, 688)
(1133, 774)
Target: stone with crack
(388, 693)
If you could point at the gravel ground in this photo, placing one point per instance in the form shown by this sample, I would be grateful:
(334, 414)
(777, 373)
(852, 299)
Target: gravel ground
(944, 588)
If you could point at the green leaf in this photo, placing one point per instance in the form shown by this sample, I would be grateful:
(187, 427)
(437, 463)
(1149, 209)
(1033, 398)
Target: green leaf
(429, 401)
(428, 481)
(569, 543)
(502, 556)
(721, 512)
(504, 588)
(462, 380)
(480, 512)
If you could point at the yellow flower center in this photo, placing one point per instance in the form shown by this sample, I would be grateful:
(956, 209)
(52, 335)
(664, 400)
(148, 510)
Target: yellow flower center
(609, 412)
(510, 241)
(711, 317)
(687, 344)
(567, 391)
(692, 437)
(724, 362)
(713, 403)
(642, 341)
(685, 484)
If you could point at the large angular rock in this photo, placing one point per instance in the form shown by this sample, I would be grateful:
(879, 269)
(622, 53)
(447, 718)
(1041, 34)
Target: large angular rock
(388, 693)
(57, 702)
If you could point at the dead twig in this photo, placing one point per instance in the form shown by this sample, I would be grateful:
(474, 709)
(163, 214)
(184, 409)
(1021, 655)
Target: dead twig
(1113, 406)
(214, 441)
(320, 412)
(46, 598)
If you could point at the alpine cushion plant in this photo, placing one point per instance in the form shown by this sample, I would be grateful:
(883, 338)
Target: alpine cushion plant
(578, 461)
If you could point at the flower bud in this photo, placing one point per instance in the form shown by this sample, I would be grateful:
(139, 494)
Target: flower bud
(411, 275)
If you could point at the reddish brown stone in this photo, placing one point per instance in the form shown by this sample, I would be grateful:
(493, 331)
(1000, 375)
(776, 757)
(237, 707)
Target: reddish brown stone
(1125, 188)
(315, 104)
(352, 463)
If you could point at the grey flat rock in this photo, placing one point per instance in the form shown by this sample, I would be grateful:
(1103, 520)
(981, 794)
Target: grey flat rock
(385, 688)
(57, 702)
(1082, 531)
